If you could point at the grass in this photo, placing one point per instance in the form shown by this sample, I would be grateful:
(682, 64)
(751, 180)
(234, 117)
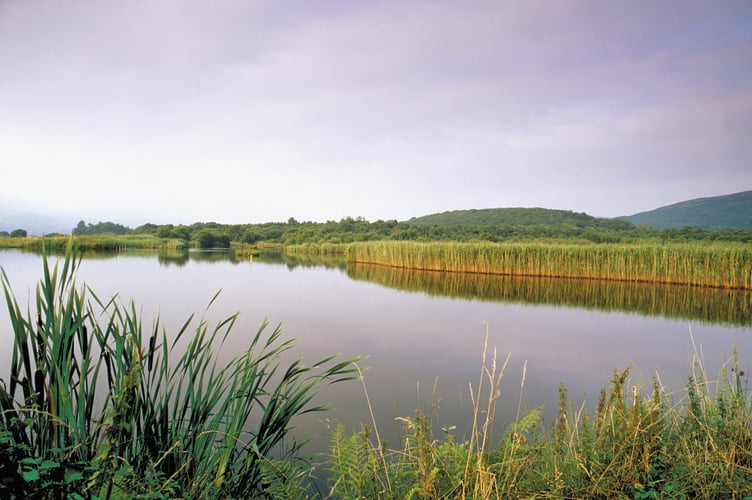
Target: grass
(633, 444)
(98, 406)
(103, 242)
(318, 248)
(723, 265)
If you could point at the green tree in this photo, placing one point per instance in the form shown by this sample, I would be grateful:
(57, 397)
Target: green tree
(205, 239)
(80, 228)
(181, 232)
(251, 236)
(222, 241)
(164, 231)
(18, 233)
(147, 228)
(99, 228)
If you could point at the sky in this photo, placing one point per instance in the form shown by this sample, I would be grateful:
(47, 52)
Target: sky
(256, 111)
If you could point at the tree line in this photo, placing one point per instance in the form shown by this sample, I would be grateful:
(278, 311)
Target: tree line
(16, 233)
(349, 230)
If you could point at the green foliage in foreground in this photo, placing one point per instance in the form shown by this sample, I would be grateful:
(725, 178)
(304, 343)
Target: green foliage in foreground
(629, 446)
(96, 406)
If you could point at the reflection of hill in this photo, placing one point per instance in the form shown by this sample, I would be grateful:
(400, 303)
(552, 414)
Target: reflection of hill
(696, 303)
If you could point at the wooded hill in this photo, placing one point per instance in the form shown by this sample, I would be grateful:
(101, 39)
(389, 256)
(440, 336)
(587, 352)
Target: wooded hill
(519, 217)
(732, 211)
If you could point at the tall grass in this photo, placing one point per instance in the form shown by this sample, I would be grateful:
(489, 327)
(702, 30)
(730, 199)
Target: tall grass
(103, 242)
(696, 443)
(97, 405)
(724, 265)
(318, 248)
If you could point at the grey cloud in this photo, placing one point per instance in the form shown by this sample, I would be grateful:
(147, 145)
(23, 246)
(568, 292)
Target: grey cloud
(462, 104)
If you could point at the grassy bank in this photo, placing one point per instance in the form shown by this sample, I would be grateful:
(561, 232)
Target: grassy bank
(630, 445)
(103, 242)
(724, 265)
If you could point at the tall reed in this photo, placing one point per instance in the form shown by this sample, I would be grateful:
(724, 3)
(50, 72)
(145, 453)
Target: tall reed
(103, 242)
(724, 265)
(96, 405)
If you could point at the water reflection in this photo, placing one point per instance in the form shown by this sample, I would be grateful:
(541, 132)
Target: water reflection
(276, 257)
(180, 258)
(414, 338)
(293, 261)
(709, 305)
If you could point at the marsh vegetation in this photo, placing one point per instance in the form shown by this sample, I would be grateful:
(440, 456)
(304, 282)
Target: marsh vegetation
(714, 265)
(98, 406)
(155, 428)
(696, 443)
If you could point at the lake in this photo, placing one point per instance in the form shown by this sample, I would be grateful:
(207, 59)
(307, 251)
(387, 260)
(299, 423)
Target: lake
(424, 333)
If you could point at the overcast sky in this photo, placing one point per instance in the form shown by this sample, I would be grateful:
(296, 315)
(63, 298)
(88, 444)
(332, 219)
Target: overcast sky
(257, 111)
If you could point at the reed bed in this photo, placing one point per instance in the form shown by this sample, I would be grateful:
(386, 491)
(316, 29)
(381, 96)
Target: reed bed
(103, 242)
(723, 265)
(634, 443)
(318, 248)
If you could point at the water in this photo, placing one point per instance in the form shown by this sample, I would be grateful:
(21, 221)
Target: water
(424, 333)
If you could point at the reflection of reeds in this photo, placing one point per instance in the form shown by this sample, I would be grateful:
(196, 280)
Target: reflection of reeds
(713, 305)
(317, 248)
(716, 265)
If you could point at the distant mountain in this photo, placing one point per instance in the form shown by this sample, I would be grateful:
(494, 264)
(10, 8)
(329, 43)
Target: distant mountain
(518, 217)
(732, 211)
(34, 224)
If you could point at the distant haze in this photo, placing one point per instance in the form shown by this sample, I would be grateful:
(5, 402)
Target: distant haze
(226, 111)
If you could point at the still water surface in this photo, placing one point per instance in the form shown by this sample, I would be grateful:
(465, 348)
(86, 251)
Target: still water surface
(423, 333)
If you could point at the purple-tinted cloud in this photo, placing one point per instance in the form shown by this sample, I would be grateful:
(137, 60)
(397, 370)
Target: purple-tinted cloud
(383, 109)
